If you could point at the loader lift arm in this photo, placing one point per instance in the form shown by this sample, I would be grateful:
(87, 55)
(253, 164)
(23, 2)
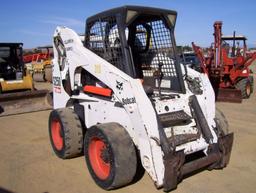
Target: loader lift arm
(132, 93)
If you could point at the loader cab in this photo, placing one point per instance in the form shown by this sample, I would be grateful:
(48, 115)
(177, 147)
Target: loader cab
(234, 45)
(11, 63)
(140, 42)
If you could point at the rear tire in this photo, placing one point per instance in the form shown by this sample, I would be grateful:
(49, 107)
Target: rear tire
(66, 133)
(245, 86)
(110, 155)
(252, 83)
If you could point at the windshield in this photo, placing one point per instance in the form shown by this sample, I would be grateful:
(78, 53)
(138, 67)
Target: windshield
(4, 52)
(10, 58)
(234, 48)
(191, 59)
(152, 46)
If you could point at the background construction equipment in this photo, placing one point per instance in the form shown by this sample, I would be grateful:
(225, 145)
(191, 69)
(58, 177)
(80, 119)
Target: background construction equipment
(17, 92)
(227, 65)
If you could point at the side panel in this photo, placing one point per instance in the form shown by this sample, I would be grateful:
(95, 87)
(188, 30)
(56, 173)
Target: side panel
(206, 99)
(104, 112)
(132, 96)
(60, 97)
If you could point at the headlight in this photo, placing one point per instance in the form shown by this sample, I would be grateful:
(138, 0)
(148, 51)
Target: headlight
(244, 71)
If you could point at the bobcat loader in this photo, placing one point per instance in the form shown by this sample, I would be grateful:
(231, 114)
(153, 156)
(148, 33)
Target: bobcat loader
(123, 98)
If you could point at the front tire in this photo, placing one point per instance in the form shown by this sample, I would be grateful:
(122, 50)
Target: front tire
(221, 122)
(66, 133)
(110, 155)
(225, 141)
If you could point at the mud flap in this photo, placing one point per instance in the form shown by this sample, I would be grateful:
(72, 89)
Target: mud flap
(24, 102)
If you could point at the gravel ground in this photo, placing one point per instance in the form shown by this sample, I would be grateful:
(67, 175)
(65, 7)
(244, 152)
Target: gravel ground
(28, 164)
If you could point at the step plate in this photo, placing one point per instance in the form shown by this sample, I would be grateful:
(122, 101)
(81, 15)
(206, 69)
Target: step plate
(174, 118)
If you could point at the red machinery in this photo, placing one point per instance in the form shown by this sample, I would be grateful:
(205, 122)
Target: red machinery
(227, 66)
(39, 64)
(42, 55)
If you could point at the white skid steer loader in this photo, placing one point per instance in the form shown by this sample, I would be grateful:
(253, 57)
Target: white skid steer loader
(123, 98)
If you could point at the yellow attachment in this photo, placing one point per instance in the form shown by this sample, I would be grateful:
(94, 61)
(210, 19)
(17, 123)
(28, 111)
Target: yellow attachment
(39, 67)
(11, 85)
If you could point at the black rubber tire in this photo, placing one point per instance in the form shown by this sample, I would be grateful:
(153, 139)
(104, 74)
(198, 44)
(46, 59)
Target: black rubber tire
(71, 132)
(120, 151)
(252, 83)
(222, 129)
(48, 73)
(245, 86)
(222, 123)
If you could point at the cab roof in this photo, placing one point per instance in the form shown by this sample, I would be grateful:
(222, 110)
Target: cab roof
(8, 44)
(136, 10)
(230, 37)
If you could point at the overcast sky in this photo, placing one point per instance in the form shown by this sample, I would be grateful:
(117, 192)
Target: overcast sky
(33, 22)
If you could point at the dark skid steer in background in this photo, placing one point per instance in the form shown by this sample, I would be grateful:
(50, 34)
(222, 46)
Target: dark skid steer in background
(17, 92)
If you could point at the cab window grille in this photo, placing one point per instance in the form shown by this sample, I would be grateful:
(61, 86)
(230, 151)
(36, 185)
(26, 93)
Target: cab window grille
(152, 47)
(160, 50)
(103, 39)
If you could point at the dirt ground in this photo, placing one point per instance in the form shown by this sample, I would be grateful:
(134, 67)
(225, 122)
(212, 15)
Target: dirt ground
(28, 164)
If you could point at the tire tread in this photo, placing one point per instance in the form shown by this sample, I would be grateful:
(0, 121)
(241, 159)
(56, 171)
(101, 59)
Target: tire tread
(124, 154)
(73, 133)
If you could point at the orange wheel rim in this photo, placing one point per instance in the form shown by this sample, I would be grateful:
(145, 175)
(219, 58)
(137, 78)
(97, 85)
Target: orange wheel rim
(99, 158)
(56, 134)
